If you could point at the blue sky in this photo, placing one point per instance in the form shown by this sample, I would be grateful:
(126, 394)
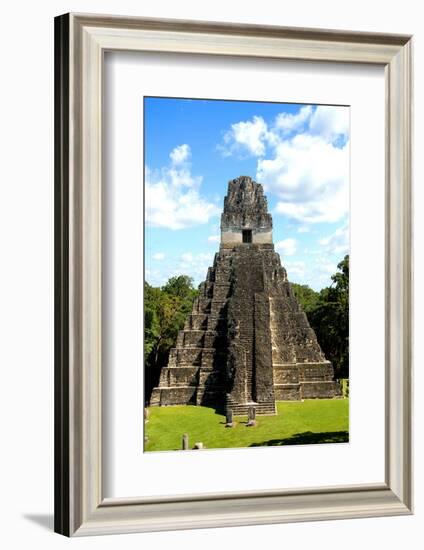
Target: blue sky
(300, 153)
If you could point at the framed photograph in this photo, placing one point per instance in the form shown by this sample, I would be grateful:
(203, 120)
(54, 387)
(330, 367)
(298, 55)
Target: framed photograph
(242, 348)
(233, 274)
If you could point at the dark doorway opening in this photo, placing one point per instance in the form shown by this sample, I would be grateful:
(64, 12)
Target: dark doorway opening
(247, 235)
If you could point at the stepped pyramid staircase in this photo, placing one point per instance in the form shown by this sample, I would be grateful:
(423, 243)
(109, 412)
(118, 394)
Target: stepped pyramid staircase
(247, 341)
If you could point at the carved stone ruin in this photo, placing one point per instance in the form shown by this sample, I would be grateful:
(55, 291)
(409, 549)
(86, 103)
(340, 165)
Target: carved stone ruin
(251, 416)
(229, 419)
(247, 341)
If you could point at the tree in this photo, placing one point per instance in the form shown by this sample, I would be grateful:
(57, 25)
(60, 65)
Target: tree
(182, 290)
(307, 297)
(328, 315)
(180, 286)
(330, 320)
(151, 319)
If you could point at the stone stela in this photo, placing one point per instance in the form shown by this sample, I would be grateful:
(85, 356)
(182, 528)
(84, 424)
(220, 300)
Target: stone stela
(247, 341)
(251, 416)
(229, 419)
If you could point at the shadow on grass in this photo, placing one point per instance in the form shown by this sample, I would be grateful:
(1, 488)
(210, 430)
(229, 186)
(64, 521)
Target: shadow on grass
(306, 438)
(218, 409)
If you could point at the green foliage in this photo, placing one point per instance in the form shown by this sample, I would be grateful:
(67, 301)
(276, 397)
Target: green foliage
(165, 310)
(328, 314)
(307, 297)
(297, 423)
(181, 286)
(344, 382)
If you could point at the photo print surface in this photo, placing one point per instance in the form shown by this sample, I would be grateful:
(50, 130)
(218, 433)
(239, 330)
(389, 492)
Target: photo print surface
(246, 282)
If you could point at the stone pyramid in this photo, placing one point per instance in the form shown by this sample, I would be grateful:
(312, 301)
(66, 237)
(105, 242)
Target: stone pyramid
(247, 341)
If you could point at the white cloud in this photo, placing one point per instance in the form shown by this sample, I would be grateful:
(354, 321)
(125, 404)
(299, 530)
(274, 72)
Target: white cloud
(309, 176)
(288, 122)
(321, 273)
(303, 160)
(195, 265)
(180, 154)
(214, 239)
(251, 136)
(181, 177)
(303, 229)
(337, 242)
(316, 273)
(295, 270)
(187, 257)
(287, 247)
(173, 198)
(330, 122)
(159, 256)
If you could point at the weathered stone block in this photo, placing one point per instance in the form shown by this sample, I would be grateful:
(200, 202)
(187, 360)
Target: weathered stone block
(182, 376)
(320, 390)
(286, 375)
(175, 396)
(287, 392)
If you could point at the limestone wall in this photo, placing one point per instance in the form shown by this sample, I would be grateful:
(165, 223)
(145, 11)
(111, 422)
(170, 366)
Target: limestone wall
(230, 238)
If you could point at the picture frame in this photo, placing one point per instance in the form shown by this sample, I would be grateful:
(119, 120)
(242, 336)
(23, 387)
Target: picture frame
(80, 506)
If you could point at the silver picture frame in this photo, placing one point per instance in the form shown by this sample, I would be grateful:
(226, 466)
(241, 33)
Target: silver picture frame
(80, 506)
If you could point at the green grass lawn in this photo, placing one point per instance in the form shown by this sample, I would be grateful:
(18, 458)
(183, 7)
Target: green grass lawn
(297, 422)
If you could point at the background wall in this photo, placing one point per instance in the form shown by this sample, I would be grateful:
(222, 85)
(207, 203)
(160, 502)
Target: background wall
(26, 272)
